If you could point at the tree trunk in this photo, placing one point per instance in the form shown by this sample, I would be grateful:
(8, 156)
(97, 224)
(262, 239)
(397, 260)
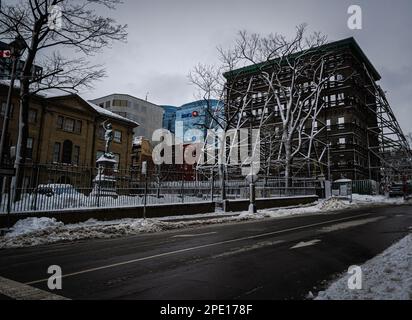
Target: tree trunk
(288, 164)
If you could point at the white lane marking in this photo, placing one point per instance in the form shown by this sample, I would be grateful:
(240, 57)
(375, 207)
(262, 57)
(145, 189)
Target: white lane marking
(248, 248)
(350, 224)
(193, 235)
(200, 247)
(306, 244)
(20, 291)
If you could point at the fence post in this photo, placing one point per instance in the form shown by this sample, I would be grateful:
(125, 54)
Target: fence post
(99, 185)
(212, 189)
(158, 183)
(8, 201)
(182, 188)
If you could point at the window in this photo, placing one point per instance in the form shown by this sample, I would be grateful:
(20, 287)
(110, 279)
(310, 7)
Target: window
(76, 155)
(332, 100)
(56, 152)
(119, 103)
(108, 104)
(32, 116)
(117, 136)
(341, 122)
(117, 158)
(60, 121)
(78, 127)
(68, 125)
(328, 124)
(29, 150)
(342, 140)
(67, 152)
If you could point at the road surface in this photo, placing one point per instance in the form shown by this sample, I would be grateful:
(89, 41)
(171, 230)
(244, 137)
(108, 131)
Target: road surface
(267, 259)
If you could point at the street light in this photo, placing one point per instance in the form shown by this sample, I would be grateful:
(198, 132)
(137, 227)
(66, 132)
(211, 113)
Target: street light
(16, 47)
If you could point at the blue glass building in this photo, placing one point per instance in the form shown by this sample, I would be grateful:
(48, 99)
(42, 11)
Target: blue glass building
(169, 118)
(194, 115)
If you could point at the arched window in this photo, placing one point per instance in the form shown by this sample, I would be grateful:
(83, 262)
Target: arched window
(67, 152)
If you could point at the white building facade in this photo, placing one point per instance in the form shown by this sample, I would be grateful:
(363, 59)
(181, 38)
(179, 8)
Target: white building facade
(147, 114)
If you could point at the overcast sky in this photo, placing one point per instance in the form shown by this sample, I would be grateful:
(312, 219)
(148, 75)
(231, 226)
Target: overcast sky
(168, 37)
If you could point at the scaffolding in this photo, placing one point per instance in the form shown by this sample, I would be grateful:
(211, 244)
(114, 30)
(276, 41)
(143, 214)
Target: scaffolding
(392, 149)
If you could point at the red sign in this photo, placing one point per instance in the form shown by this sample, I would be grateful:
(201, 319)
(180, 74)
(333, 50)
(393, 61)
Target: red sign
(5, 53)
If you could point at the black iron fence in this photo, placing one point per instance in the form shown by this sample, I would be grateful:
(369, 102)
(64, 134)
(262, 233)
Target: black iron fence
(58, 187)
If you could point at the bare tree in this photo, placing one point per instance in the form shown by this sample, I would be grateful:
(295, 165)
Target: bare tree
(293, 74)
(45, 27)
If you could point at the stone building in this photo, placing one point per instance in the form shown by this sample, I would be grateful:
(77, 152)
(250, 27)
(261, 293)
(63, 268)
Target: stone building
(66, 130)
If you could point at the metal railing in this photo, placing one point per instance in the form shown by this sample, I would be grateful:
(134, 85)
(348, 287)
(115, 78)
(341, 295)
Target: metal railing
(54, 187)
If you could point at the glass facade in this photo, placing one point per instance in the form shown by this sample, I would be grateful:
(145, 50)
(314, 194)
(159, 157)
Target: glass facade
(169, 118)
(193, 120)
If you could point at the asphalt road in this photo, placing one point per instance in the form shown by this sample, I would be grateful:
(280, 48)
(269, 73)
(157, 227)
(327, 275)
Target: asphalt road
(268, 259)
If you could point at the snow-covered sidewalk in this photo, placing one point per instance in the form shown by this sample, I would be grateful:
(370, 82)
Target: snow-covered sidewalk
(38, 231)
(388, 276)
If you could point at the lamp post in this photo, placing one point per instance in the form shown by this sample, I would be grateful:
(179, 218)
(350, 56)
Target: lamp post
(252, 179)
(16, 47)
(144, 172)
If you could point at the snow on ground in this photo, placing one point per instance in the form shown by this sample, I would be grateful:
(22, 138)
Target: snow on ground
(38, 231)
(332, 204)
(388, 276)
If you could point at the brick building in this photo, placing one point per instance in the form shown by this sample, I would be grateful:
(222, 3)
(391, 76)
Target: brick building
(67, 130)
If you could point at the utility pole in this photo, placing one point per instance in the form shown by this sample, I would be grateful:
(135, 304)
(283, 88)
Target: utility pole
(15, 48)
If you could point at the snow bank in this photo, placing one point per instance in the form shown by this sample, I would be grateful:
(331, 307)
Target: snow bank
(379, 199)
(39, 231)
(388, 276)
(322, 206)
(331, 205)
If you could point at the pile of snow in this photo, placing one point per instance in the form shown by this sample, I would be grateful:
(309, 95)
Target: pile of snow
(388, 276)
(39, 231)
(30, 225)
(333, 204)
(322, 206)
(378, 199)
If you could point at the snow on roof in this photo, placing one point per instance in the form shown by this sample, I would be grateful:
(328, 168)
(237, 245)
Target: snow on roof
(108, 113)
(57, 93)
(343, 180)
